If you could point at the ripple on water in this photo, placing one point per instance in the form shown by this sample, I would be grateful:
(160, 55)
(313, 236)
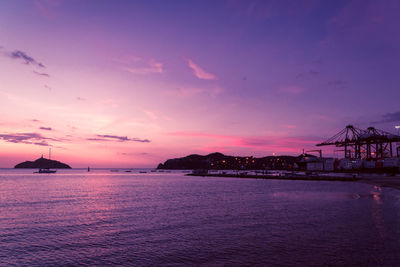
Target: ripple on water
(175, 220)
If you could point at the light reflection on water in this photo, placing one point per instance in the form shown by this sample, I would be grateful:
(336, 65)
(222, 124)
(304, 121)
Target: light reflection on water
(377, 211)
(100, 218)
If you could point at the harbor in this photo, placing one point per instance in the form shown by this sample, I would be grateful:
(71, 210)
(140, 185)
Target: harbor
(371, 156)
(365, 150)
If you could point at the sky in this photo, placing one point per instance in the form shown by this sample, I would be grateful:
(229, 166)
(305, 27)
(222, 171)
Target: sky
(134, 83)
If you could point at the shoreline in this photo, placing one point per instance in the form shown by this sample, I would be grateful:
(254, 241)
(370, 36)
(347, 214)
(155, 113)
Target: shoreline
(377, 180)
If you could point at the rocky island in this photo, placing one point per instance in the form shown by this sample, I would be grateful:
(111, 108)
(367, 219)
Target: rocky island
(42, 163)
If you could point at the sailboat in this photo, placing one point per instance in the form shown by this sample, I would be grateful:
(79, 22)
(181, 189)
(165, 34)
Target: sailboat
(46, 170)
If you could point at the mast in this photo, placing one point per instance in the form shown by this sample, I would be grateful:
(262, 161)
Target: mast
(49, 153)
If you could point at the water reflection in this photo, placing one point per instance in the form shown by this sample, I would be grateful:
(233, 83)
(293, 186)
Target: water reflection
(377, 212)
(87, 219)
(376, 194)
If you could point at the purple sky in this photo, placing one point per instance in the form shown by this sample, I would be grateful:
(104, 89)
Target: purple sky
(133, 83)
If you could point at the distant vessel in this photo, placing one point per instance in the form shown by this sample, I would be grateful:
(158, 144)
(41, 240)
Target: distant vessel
(46, 171)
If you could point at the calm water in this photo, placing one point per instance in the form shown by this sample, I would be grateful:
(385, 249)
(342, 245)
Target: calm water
(104, 218)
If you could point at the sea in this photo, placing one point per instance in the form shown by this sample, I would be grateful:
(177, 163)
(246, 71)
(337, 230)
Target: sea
(151, 218)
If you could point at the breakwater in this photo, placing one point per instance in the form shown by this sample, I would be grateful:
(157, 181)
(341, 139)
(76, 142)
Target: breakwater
(312, 177)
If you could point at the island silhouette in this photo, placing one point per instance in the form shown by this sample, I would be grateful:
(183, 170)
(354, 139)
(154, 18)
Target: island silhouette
(42, 163)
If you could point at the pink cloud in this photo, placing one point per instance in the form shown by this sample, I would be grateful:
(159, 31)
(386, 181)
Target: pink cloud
(189, 92)
(276, 142)
(199, 134)
(126, 59)
(268, 144)
(199, 72)
(151, 66)
(185, 92)
(214, 147)
(136, 64)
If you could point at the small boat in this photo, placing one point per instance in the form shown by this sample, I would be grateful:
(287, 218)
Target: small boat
(128, 171)
(46, 170)
(142, 172)
(199, 171)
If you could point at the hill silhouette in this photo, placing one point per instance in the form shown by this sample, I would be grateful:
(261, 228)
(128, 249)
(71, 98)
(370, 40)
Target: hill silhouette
(42, 163)
(223, 162)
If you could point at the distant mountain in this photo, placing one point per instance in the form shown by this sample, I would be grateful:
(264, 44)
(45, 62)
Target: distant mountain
(42, 163)
(222, 162)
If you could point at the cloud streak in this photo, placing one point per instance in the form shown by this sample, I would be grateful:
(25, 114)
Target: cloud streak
(152, 66)
(20, 55)
(199, 72)
(45, 128)
(108, 138)
(26, 138)
(41, 74)
(193, 91)
(389, 117)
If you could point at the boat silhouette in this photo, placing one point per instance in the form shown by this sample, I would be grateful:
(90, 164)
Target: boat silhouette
(46, 170)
